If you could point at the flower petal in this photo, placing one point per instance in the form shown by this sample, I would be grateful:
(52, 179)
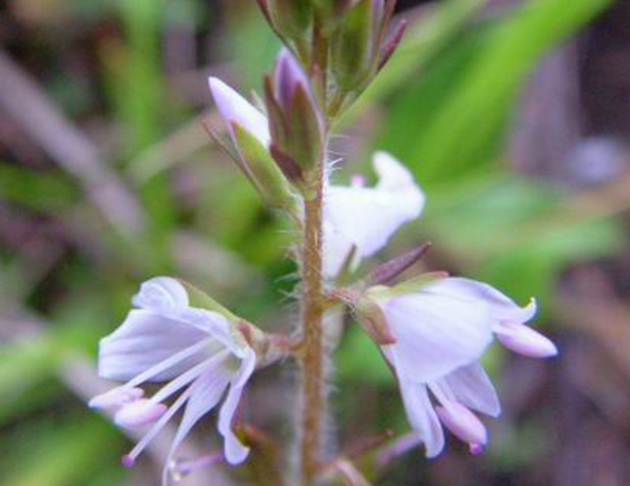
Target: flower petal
(367, 217)
(471, 386)
(435, 334)
(235, 451)
(524, 340)
(462, 423)
(161, 293)
(422, 417)
(116, 398)
(234, 108)
(503, 308)
(144, 340)
(139, 413)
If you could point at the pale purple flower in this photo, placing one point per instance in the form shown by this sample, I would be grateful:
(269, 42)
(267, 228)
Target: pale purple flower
(194, 351)
(366, 217)
(441, 331)
(233, 108)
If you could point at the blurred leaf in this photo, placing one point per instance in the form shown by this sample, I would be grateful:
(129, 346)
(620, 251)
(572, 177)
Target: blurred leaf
(49, 192)
(517, 234)
(358, 359)
(64, 454)
(467, 119)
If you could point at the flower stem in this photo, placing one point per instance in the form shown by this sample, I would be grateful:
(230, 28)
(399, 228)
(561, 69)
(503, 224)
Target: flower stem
(313, 311)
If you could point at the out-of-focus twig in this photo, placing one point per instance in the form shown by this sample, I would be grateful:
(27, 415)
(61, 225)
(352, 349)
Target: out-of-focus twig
(30, 108)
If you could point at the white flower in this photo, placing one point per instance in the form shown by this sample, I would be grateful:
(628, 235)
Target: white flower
(233, 108)
(194, 350)
(440, 332)
(366, 217)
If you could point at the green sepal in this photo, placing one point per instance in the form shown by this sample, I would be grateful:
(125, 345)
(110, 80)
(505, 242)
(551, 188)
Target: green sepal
(354, 48)
(408, 286)
(270, 182)
(198, 298)
(291, 18)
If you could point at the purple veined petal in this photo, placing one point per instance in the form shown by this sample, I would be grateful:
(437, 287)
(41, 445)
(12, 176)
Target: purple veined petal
(235, 451)
(471, 386)
(234, 108)
(524, 340)
(422, 417)
(161, 293)
(148, 347)
(462, 423)
(116, 398)
(139, 414)
(435, 334)
(204, 394)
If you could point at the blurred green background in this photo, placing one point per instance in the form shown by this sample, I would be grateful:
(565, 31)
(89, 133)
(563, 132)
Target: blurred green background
(514, 117)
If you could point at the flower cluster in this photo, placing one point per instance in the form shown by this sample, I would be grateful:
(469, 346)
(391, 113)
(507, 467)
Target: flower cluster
(432, 329)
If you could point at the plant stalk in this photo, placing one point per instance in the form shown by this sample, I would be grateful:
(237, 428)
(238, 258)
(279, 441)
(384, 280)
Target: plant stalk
(313, 311)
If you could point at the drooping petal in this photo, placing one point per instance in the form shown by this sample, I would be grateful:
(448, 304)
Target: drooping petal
(503, 308)
(161, 294)
(116, 398)
(471, 386)
(234, 108)
(422, 417)
(146, 339)
(524, 340)
(435, 334)
(462, 423)
(235, 451)
(367, 217)
(205, 393)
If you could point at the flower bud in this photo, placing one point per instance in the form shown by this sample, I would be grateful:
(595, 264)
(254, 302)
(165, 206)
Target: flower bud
(249, 132)
(290, 19)
(295, 122)
(359, 47)
(139, 413)
(355, 45)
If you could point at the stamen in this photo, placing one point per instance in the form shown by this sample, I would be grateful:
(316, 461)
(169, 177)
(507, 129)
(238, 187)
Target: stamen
(476, 449)
(167, 363)
(178, 469)
(357, 180)
(127, 461)
(153, 431)
(185, 378)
